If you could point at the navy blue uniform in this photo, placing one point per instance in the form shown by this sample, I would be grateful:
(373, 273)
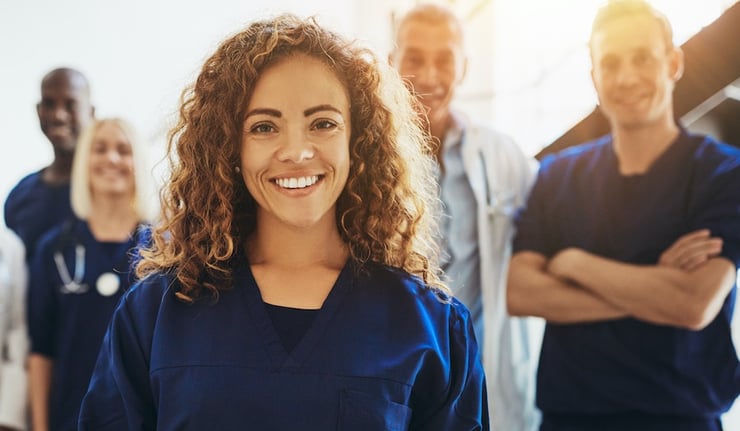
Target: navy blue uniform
(383, 352)
(67, 325)
(33, 207)
(627, 373)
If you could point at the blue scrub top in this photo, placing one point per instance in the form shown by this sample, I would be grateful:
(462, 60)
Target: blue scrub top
(33, 207)
(626, 367)
(383, 352)
(68, 327)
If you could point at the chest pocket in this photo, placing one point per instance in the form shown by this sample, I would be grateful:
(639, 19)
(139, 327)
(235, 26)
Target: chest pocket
(359, 411)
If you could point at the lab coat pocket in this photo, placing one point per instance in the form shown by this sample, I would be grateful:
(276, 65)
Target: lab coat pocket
(501, 213)
(359, 411)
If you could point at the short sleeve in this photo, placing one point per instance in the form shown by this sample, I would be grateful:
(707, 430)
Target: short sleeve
(10, 210)
(119, 396)
(719, 210)
(530, 219)
(464, 405)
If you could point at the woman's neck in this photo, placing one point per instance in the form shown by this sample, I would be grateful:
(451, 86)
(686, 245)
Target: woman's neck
(276, 244)
(112, 220)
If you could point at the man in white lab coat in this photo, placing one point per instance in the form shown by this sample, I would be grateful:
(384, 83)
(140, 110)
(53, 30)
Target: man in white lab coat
(484, 178)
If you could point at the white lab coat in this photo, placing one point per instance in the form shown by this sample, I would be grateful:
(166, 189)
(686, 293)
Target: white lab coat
(501, 177)
(13, 331)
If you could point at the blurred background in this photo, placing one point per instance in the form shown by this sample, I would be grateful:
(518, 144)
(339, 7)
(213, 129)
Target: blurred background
(528, 71)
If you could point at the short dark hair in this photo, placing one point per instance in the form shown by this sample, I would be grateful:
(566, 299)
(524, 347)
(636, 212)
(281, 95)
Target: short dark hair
(69, 74)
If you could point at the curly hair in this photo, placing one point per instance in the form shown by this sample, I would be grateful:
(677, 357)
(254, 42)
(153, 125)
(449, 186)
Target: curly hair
(387, 212)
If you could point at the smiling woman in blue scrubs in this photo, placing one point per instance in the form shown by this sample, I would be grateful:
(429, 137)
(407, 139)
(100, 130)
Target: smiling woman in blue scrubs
(81, 269)
(293, 282)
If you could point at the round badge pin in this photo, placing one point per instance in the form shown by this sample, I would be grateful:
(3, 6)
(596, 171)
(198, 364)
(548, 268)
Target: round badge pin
(108, 283)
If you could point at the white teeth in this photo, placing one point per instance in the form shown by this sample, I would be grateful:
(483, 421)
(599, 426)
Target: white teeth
(297, 183)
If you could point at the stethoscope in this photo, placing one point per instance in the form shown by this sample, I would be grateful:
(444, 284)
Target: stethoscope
(106, 285)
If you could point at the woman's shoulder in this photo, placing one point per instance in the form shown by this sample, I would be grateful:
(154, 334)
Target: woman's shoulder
(152, 289)
(141, 305)
(417, 313)
(412, 293)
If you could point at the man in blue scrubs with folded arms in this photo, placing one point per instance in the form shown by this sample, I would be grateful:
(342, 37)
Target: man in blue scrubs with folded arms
(629, 247)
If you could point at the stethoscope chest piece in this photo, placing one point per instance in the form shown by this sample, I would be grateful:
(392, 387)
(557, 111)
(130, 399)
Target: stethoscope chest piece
(108, 283)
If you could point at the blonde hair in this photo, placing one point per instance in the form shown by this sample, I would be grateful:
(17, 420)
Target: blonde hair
(144, 197)
(615, 9)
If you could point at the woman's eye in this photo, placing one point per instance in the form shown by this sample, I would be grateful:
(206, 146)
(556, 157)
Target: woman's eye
(262, 128)
(324, 125)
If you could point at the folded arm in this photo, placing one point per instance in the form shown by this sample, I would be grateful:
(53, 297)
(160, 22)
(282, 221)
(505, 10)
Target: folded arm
(685, 288)
(533, 291)
(654, 293)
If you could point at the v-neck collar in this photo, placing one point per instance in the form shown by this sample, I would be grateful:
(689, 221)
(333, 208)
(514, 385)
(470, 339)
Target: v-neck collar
(117, 261)
(279, 357)
(682, 146)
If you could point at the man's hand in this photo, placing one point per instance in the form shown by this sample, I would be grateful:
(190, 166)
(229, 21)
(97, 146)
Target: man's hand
(691, 250)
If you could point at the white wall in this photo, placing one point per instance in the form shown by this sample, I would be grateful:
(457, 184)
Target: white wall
(137, 54)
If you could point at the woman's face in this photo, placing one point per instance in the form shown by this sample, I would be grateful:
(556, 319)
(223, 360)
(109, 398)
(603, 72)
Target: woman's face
(111, 163)
(295, 145)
